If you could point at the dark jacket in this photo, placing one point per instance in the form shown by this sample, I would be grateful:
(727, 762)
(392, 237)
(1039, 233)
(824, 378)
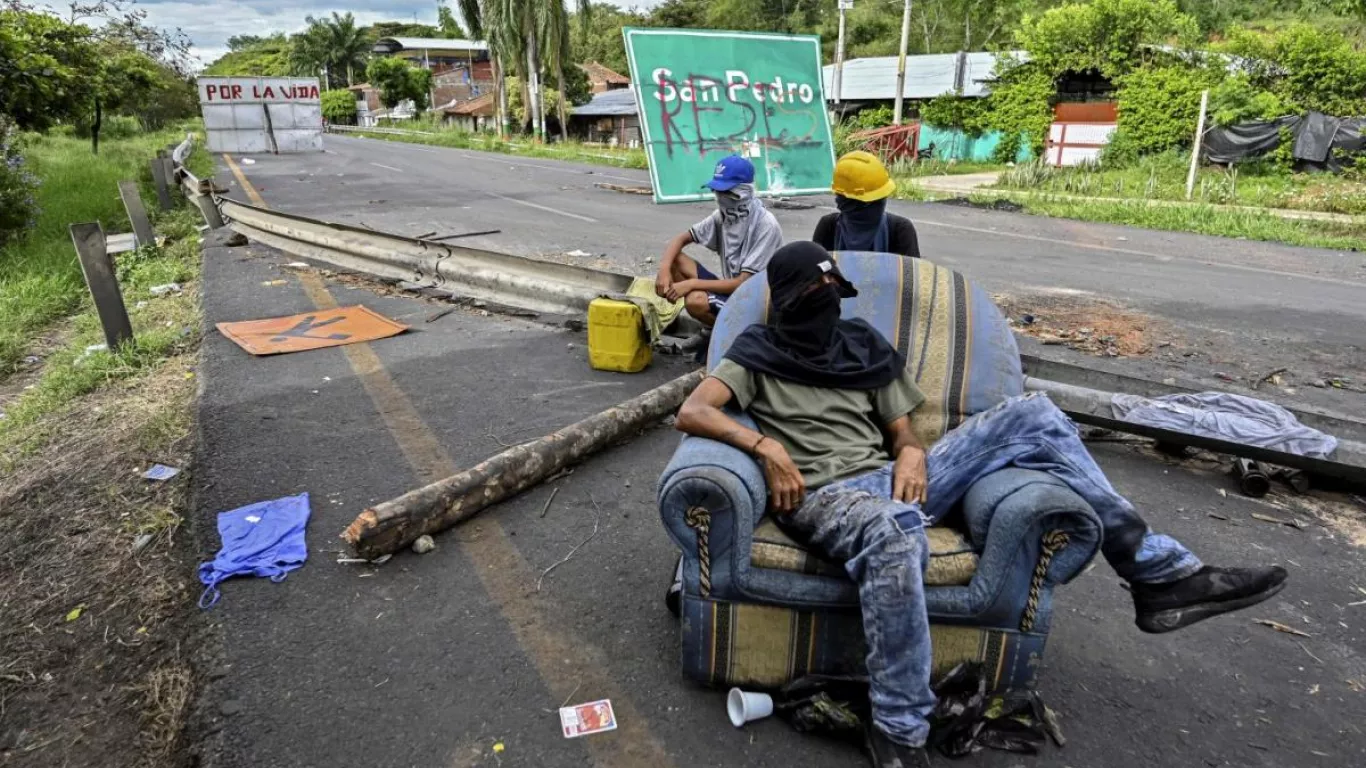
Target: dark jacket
(901, 237)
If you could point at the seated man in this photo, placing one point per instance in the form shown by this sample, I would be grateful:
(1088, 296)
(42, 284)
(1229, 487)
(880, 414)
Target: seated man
(862, 186)
(846, 474)
(741, 231)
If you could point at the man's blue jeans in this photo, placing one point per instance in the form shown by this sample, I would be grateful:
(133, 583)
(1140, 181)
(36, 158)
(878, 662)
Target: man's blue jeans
(882, 542)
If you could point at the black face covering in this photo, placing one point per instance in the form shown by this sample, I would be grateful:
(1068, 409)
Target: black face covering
(860, 224)
(805, 340)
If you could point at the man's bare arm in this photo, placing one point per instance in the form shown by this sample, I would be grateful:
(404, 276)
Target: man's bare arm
(910, 476)
(664, 282)
(701, 416)
(719, 287)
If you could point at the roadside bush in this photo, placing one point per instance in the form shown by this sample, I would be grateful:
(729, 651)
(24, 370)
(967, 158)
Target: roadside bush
(1236, 100)
(339, 106)
(18, 208)
(1159, 107)
(877, 117)
(1113, 37)
(1306, 67)
(951, 111)
(1020, 107)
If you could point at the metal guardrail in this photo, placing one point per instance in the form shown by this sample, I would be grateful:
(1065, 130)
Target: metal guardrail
(375, 129)
(498, 278)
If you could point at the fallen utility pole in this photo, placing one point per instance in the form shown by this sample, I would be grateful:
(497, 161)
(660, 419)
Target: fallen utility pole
(1093, 407)
(388, 527)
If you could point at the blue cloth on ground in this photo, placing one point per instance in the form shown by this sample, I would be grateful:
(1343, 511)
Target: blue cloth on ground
(262, 539)
(1226, 416)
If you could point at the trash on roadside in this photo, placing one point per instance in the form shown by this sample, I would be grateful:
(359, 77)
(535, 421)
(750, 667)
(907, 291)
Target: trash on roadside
(579, 254)
(965, 720)
(274, 283)
(162, 290)
(1292, 523)
(1279, 627)
(75, 613)
(297, 265)
(747, 706)
(261, 539)
(1252, 478)
(161, 472)
(586, 719)
(93, 348)
(142, 541)
(423, 545)
(248, 161)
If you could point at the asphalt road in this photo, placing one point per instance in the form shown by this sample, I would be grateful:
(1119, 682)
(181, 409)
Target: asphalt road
(1246, 307)
(436, 660)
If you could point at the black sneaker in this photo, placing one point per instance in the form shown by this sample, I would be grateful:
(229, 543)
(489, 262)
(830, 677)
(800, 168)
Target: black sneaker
(1208, 592)
(885, 753)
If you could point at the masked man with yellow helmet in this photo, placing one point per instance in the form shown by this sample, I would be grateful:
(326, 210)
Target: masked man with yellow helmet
(862, 186)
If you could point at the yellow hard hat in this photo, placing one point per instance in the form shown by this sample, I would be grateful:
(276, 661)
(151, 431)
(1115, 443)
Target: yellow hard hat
(861, 176)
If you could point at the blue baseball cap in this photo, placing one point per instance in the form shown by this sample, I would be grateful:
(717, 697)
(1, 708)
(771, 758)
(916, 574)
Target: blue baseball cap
(731, 172)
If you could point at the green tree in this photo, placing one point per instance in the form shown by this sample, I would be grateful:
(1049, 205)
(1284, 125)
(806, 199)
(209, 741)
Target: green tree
(268, 57)
(1112, 37)
(1308, 68)
(597, 36)
(1159, 107)
(45, 74)
(397, 81)
(339, 106)
(447, 24)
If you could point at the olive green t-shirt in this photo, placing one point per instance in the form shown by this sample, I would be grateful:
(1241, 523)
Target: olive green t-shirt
(831, 434)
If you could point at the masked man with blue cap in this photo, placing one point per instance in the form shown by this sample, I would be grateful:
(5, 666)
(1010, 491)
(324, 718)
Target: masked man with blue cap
(741, 231)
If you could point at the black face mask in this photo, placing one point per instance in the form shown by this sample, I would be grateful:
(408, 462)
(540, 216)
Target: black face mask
(807, 322)
(805, 340)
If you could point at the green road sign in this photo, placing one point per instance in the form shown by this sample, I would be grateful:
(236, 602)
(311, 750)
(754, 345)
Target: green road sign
(705, 94)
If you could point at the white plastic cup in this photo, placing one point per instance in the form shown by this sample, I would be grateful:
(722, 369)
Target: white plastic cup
(745, 707)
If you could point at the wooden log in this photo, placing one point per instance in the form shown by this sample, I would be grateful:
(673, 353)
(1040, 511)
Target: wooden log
(388, 527)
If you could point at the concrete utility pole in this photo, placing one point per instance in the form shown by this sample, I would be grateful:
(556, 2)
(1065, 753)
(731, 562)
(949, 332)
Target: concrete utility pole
(1195, 150)
(901, 62)
(844, 5)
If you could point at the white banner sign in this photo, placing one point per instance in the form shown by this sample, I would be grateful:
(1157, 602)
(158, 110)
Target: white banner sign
(261, 114)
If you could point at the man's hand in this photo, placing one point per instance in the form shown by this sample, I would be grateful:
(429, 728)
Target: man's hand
(910, 476)
(680, 289)
(786, 488)
(664, 283)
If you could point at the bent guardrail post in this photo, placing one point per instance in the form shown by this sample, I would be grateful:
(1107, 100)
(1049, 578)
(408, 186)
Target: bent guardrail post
(137, 213)
(103, 282)
(159, 175)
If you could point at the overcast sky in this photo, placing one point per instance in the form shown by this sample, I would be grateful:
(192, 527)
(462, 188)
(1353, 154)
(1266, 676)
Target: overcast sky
(210, 23)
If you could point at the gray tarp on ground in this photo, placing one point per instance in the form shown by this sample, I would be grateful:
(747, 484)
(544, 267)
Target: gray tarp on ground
(1322, 142)
(1225, 416)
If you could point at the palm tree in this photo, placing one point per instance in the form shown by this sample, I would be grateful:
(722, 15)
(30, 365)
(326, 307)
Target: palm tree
(334, 45)
(553, 27)
(527, 33)
(485, 21)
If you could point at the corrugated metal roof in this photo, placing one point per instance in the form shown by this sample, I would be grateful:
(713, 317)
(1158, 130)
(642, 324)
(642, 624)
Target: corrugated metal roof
(619, 102)
(395, 44)
(927, 76)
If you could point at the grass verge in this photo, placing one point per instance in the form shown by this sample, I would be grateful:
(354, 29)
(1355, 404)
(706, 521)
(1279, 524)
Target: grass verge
(571, 151)
(96, 585)
(1199, 219)
(40, 277)
(1260, 183)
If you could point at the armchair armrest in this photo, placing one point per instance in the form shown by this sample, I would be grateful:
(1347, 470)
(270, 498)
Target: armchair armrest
(1033, 533)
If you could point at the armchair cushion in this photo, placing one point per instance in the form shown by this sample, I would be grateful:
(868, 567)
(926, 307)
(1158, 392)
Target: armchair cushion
(952, 559)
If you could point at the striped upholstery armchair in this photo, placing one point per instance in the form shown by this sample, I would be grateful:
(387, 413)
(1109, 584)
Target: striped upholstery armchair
(759, 610)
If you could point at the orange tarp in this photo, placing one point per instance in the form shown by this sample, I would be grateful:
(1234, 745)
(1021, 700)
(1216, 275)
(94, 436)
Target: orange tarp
(310, 330)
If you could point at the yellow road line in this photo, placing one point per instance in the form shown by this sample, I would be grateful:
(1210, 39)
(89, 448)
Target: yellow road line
(252, 194)
(565, 663)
